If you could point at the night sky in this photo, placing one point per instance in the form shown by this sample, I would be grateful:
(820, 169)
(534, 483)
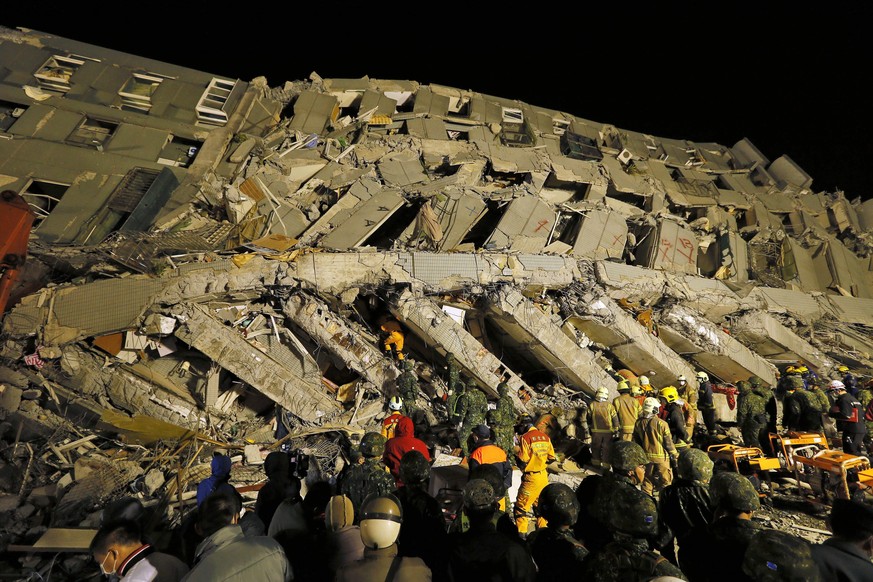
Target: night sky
(790, 77)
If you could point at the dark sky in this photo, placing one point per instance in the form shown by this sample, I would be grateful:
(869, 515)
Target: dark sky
(791, 77)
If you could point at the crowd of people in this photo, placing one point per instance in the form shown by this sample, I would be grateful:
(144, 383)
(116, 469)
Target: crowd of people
(652, 506)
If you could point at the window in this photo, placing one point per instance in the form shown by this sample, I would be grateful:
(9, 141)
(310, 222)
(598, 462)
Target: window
(210, 108)
(93, 133)
(511, 115)
(55, 73)
(560, 126)
(136, 95)
(9, 114)
(43, 196)
(179, 152)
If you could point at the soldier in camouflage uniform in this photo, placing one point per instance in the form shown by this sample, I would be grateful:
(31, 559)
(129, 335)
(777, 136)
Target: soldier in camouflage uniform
(407, 385)
(865, 395)
(792, 403)
(751, 415)
(558, 555)
(472, 410)
(775, 555)
(633, 520)
(813, 404)
(502, 420)
(370, 477)
(456, 391)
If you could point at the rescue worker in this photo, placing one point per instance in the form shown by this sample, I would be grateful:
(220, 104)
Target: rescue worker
(627, 376)
(638, 395)
(403, 442)
(812, 407)
(381, 519)
(472, 409)
(775, 555)
(734, 501)
(485, 452)
(407, 385)
(457, 391)
(646, 387)
(370, 477)
(792, 404)
(685, 505)
(849, 380)
(603, 423)
(535, 451)
(628, 409)
(389, 423)
(423, 533)
(849, 416)
(392, 338)
(705, 402)
(675, 417)
(689, 395)
(482, 552)
(340, 544)
(558, 555)
(653, 435)
(633, 520)
(503, 419)
(119, 550)
(846, 555)
(751, 415)
(865, 396)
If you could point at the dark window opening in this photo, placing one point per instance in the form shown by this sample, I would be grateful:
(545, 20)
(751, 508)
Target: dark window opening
(458, 135)
(505, 180)
(567, 230)
(93, 133)
(579, 189)
(385, 235)
(9, 113)
(724, 184)
(580, 147)
(643, 202)
(179, 152)
(516, 356)
(494, 211)
(43, 196)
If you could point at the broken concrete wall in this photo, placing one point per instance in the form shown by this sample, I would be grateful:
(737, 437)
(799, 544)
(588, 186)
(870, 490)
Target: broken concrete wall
(669, 247)
(523, 320)
(525, 226)
(602, 235)
(763, 334)
(711, 348)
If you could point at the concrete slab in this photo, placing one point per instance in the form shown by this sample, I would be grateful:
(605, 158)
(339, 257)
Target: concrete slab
(764, 334)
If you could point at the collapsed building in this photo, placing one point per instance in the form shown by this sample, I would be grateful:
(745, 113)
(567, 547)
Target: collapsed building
(207, 251)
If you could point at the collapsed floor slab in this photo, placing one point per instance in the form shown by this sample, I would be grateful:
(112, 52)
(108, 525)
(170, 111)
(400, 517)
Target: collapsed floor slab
(764, 334)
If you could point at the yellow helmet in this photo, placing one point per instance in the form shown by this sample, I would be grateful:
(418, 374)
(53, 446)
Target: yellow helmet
(802, 369)
(635, 390)
(842, 368)
(623, 386)
(669, 393)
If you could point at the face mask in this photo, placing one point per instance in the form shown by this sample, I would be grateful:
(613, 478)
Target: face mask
(103, 570)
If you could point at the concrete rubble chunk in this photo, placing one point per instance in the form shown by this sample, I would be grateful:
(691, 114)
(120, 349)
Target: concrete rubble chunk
(767, 337)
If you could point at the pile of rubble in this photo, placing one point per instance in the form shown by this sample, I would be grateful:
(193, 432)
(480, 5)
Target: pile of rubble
(533, 245)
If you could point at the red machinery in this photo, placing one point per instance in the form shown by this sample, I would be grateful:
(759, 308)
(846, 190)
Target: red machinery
(16, 219)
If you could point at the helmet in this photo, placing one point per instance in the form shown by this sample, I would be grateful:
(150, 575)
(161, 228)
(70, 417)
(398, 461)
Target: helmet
(635, 390)
(802, 370)
(491, 474)
(651, 406)
(396, 403)
(669, 393)
(836, 385)
(623, 387)
(743, 386)
(703, 376)
(681, 379)
(557, 504)
(478, 495)
(339, 513)
(372, 445)
(601, 394)
(790, 370)
(381, 516)
(777, 555)
(626, 456)
(842, 368)
(795, 382)
(414, 468)
(755, 381)
(733, 491)
(694, 465)
(644, 381)
(632, 512)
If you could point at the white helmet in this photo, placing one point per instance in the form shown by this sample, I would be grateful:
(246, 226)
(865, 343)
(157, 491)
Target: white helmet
(836, 385)
(644, 381)
(681, 379)
(651, 406)
(396, 403)
(704, 377)
(381, 517)
(601, 394)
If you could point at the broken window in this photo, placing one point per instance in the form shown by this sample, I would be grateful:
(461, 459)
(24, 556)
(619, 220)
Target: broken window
(136, 94)
(567, 228)
(495, 209)
(515, 129)
(9, 113)
(43, 196)
(390, 230)
(579, 147)
(93, 133)
(56, 72)
(210, 107)
(179, 152)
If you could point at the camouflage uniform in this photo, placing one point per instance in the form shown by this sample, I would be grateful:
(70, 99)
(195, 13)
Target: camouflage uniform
(751, 416)
(454, 402)
(792, 403)
(357, 482)
(472, 409)
(502, 420)
(813, 403)
(408, 386)
(864, 397)
(776, 555)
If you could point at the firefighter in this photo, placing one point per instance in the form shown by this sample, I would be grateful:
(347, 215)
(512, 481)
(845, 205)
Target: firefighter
(849, 380)
(689, 395)
(535, 451)
(675, 417)
(389, 424)
(704, 401)
(603, 423)
(849, 415)
(628, 409)
(653, 435)
(646, 387)
(392, 338)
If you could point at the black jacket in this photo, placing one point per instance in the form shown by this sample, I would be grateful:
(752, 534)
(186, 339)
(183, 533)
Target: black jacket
(842, 562)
